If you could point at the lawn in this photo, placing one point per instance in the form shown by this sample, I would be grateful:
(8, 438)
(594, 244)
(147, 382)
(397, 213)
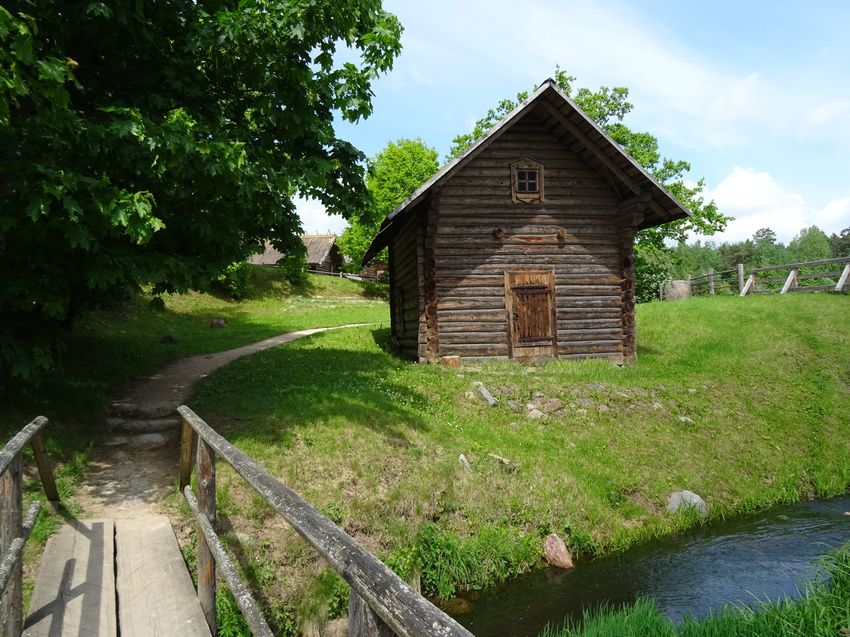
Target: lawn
(740, 400)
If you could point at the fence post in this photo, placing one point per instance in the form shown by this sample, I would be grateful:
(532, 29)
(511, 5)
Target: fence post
(45, 471)
(206, 505)
(363, 621)
(690, 287)
(186, 454)
(11, 527)
(711, 281)
(740, 277)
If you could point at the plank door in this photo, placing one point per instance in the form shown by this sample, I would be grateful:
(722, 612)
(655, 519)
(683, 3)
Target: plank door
(530, 305)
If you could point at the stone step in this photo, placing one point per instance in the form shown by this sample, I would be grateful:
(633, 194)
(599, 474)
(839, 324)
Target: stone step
(103, 578)
(142, 412)
(142, 426)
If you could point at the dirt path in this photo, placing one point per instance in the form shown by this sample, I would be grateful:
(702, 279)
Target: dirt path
(131, 473)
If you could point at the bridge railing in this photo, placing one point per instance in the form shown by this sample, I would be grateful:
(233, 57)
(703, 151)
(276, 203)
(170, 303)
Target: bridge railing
(380, 600)
(791, 281)
(15, 528)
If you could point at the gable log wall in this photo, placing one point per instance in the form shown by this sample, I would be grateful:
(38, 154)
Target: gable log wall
(470, 262)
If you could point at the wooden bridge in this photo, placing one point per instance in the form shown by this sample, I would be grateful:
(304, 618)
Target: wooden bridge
(104, 578)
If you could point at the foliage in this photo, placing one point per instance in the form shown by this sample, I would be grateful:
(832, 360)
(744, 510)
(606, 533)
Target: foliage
(236, 280)
(608, 107)
(394, 174)
(840, 243)
(811, 244)
(229, 618)
(158, 143)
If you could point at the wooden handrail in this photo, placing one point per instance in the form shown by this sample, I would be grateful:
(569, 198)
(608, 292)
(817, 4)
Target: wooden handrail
(395, 604)
(15, 530)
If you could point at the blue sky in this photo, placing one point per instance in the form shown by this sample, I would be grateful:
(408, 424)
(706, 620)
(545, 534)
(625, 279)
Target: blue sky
(754, 94)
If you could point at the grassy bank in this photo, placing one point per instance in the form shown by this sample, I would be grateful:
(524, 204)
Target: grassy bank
(110, 347)
(823, 610)
(740, 400)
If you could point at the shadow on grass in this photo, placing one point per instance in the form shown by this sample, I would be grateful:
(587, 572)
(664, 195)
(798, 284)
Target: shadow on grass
(267, 396)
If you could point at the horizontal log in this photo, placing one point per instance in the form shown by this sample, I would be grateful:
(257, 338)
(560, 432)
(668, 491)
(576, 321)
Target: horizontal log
(496, 280)
(564, 200)
(460, 349)
(501, 187)
(473, 326)
(482, 338)
(585, 313)
(496, 290)
(495, 303)
(590, 324)
(567, 336)
(587, 269)
(517, 240)
(589, 347)
(616, 358)
(545, 226)
(503, 262)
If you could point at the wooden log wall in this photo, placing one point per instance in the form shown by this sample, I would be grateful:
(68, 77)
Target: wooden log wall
(575, 231)
(406, 303)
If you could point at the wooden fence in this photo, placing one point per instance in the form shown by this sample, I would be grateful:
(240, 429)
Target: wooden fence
(721, 279)
(15, 529)
(711, 280)
(381, 603)
(791, 281)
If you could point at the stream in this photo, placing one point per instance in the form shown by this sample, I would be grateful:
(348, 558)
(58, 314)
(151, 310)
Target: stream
(759, 557)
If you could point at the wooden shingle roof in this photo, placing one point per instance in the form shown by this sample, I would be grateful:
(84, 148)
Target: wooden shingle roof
(569, 124)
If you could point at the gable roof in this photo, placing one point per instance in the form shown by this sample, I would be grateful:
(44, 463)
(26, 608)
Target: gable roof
(567, 122)
(318, 246)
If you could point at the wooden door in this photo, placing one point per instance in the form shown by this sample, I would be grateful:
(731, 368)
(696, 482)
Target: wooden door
(531, 314)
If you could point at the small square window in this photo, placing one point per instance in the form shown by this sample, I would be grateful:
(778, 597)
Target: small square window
(527, 180)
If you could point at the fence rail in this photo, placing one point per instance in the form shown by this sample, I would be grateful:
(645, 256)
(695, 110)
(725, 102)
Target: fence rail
(380, 600)
(15, 528)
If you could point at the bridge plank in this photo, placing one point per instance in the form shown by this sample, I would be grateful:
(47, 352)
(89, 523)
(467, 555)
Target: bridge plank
(156, 597)
(75, 588)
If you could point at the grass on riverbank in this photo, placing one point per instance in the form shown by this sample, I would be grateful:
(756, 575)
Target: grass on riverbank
(823, 610)
(740, 400)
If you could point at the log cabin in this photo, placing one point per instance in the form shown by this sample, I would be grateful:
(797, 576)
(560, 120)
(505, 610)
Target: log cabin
(521, 248)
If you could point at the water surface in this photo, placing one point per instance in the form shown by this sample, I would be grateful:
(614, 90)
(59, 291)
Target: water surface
(765, 556)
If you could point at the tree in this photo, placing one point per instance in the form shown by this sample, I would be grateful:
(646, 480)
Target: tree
(766, 251)
(394, 174)
(157, 143)
(811, 244)
(840, 244)
(607, 107)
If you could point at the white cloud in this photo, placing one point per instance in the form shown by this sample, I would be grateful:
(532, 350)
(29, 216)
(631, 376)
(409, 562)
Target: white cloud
(315, 220)
(756, 201)
(835, 111)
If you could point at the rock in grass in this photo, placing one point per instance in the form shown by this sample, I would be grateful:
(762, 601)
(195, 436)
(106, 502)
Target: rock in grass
(485, 396)
(169, 339)
(218, 322)
(555, 552)
(465, 463)
(688, 500)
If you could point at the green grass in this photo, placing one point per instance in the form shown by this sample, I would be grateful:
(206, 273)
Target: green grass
(740, 400)
(108, 348)
(822, 611)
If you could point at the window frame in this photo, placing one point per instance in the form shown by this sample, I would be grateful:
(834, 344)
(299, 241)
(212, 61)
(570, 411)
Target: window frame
(526, 164)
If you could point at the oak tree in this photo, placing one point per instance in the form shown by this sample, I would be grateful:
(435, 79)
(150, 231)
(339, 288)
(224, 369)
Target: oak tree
(155, 143)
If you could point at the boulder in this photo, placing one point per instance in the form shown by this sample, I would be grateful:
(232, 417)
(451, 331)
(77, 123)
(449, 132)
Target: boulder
(553, 404)
(169, 339)
(688, 500)
(218, 322)
(555, 552)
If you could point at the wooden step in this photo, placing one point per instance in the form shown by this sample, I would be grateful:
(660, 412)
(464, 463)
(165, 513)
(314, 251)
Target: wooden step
(97, 576)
